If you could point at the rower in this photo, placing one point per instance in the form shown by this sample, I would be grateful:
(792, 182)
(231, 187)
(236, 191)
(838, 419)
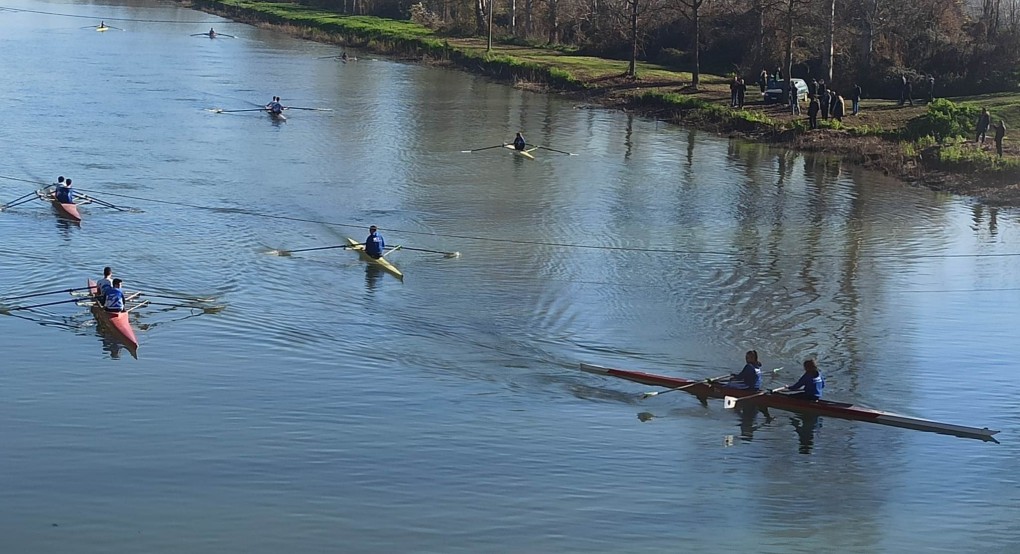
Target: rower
(519, 142)
(750, 377)
(343, 56)
(812, 382)
(114, 301)
(104, 283)
(212, 34)
(374, 244)
(275, 106)
(102, 25)
(64, 194)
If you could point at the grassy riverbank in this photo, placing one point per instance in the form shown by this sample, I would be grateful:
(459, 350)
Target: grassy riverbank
(883, 136)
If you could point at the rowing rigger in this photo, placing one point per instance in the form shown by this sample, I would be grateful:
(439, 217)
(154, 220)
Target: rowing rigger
(842, 410)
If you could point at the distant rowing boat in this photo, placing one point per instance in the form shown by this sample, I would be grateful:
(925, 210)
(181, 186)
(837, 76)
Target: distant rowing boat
(381, 262)
(842, 410)
(276, 116)
(524, 153)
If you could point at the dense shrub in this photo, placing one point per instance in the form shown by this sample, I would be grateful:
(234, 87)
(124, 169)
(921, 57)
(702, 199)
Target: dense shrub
(944, 120)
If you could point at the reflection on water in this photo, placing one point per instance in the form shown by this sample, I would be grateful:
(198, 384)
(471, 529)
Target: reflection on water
(806, 425)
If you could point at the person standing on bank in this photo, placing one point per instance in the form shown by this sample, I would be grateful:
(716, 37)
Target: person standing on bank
(1000, 133)
(856, 99)
(983, 122)
(812, 112)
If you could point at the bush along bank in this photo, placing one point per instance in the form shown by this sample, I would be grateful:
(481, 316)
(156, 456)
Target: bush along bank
(930, 145)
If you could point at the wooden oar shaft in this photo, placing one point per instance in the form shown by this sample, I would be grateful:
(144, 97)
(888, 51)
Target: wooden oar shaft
(321, 248)
(34, 294)
(41, 305)
(687, 386)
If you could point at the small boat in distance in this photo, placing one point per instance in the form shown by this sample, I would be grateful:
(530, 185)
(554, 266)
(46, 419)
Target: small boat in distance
(843, 410)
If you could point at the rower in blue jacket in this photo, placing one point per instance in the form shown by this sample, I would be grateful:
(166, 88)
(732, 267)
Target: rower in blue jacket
(812, 382)
(64, 194)
(750, 376)
(114, 298)
(519, 142)
(374, 244)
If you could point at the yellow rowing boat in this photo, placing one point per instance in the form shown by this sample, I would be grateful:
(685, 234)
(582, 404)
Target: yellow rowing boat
(381, 261)
(525, 153)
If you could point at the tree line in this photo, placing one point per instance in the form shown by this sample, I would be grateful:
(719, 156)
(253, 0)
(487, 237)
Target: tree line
(969, 47)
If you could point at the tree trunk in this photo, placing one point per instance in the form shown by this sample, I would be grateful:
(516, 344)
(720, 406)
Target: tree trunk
(788, 66)
(632, 68)
(513, 17)
(554, 22)
(480, 17)
(830, 39)
(696, 20)
(529, 20)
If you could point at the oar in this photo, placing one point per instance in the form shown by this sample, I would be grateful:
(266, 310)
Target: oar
(310, 109)
(687, 386)
(555, 150)
(20, 200)
(480, 149)
(730, 402)
(41, 305)
(69, 291)
(174, 297)
(445, 254)
(282, 252)
(103, 203)
(221, 110)
(206, 309)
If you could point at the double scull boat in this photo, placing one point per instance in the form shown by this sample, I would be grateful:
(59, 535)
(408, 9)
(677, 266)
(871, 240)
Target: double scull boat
(117, 323)
(843, 410)
(65, 210)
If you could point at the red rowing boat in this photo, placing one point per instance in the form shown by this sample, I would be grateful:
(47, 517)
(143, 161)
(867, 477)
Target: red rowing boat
(65, 210)
(842, 410)
(117, 323)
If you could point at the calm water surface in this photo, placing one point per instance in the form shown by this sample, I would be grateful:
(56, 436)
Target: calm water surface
(330, 407)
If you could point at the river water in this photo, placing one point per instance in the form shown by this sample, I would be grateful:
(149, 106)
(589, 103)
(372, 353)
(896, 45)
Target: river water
(331, 407)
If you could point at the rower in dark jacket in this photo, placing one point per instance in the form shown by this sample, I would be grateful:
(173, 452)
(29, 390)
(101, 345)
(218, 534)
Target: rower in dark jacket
(374, 244)
(750, 376)
(519, 142)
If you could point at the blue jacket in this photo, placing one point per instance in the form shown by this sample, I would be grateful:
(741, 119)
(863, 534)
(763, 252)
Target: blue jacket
(812, 385)
(114, 300)
(64, 195)
(748, 378)
(374, 245)
(519, 143)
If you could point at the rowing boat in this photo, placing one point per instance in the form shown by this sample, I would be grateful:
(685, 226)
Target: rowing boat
(381, 261)
(116, 323)
(843, 410)
(523, 153)
(65, 210)
(276, 116)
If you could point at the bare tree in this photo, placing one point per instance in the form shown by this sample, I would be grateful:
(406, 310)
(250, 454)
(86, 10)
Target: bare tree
(830, 40)
(692, 11)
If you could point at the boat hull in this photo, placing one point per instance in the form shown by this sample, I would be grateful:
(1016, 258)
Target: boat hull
(276, 116)
(381, 262)
(66, 211)
(117, 324)
(522, 153)
(842, 410)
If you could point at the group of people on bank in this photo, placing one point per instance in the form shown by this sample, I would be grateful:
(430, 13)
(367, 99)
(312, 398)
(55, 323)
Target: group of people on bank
(810, 383)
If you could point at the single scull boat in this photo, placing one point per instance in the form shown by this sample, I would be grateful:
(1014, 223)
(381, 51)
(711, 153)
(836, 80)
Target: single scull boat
(525, 153)
(842, 410)
(381, 262)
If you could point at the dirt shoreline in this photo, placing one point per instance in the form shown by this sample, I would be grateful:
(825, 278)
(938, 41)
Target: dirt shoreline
(872, 152)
